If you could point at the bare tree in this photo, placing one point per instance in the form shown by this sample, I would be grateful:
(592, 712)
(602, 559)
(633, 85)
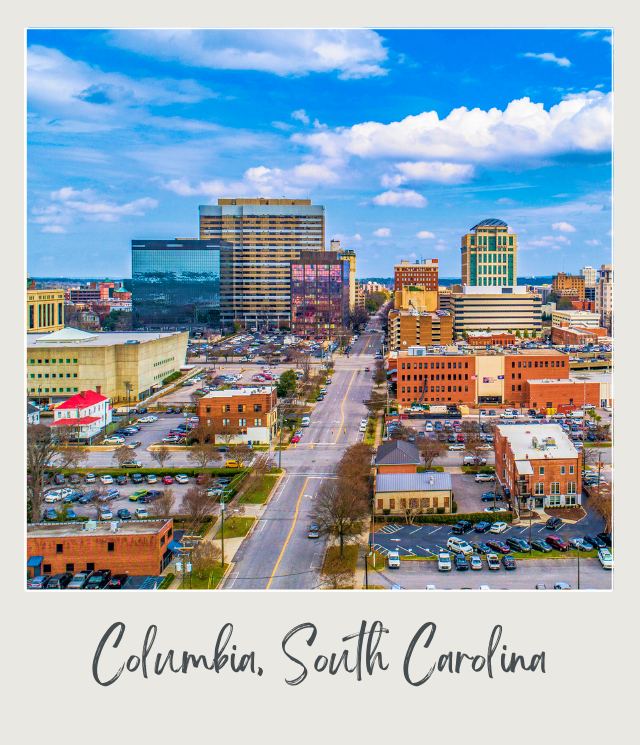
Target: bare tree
(203, 453)
(163, 506)
(161, 455)
(473, 446)
(196, 503)
(340, 510)
(243, 454)
(430, 449)
(355, 468)
(380, 374)
(205, 557)
(122, 455)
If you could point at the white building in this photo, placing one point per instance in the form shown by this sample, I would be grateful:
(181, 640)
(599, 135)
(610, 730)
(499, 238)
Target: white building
(589, 273)
(87, 413)
(573, 318)
(604, 291)
(33, 414)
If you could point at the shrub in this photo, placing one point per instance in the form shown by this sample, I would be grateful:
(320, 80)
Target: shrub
(170, 378)
(490, 517)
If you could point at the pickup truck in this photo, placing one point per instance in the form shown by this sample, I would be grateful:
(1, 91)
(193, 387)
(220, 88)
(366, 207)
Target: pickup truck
(493, 562)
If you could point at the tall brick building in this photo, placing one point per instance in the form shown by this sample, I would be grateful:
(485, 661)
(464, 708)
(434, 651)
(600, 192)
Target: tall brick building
(408, 328)
(421, 274)
(568, 285)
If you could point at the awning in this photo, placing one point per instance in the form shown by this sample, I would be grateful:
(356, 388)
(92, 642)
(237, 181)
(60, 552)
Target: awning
(76, 422)
(175, 546)
(35, 561)
(524, 467)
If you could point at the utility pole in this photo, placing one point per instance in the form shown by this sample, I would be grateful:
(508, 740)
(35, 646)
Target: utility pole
(222, 533)
(366, 570)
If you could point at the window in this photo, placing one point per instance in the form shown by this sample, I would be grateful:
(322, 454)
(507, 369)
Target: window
(242, 422)
(257, 407)
(570, 500)
(563, 470)
(555, 487)
(240, 408)
(571, 487)
(59, 548)
(90, 566)
(392, 504)
(111, 546)
(553, 501)
(571, 469)
(69, 568)
(46, 568)
(226, 422)
(541, 470)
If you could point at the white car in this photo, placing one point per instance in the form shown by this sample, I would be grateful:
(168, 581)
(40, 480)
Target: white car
(182, 478)
(480, 477)
(55, 495)
(363, 425)
(459, 546)
(606, 558)
(105, 513)
(507, 415)
(444, 561)
(142, 512)
(393, 559)
(475, 562)
(457, 446)
(428, 427)
(498, 527)
(149, 419)
(106, 478)
(113, 440)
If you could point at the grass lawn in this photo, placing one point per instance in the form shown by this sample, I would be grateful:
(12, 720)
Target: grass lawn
(555, 555)
(341, 567)
(207, 581)
(236, 527)
(259, 492)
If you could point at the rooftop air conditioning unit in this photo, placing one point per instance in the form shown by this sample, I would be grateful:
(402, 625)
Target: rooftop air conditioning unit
(114, 526)
(90, 525)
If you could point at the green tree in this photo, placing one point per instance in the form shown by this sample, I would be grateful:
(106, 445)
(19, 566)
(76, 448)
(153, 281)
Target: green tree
(287, 383)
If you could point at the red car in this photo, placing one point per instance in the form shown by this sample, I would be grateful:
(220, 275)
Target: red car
(295, 438)
(167, 479)
(556, 542)
(499, 546)
(460, 437)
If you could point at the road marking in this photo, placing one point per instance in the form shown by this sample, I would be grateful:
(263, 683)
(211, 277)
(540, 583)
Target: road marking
(344, 398)
(426, 550)
(415, 531)
(289, 534)
(431, 532)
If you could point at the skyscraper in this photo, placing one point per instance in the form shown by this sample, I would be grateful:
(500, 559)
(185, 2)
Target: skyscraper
(589, 274)
(604, 295)
(175, 284)
(265, 235)
(489, 254)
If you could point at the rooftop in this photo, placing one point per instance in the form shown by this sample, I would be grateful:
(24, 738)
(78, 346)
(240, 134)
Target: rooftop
(549, 381)
(104, 528)
(537, 442)
(69, 336)
(82, 400)
(397, 452)
(491, 222)
(407, 482)
(247, 391)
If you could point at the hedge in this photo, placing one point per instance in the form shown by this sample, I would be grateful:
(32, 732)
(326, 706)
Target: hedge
(478, 469)
(166, 582)
(170, 378)
(489, 517)
(187, 470)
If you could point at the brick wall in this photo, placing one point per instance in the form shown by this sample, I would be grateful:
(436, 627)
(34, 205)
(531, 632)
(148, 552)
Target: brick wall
(561, 394)
(213, 411)
(518, 369)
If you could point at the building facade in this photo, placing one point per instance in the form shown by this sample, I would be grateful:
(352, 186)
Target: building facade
(125, 366)
(265, 236)
(413, 297)
(349, 255)
(247, 415)
(176, 283)
(87, 414)
(604, 296)
(572, 318)
(569, 285)
(490, 339)
(319, 294)
(410, 328)
(561, 395)
(423, 273)
(539, 465)
(489, 255)
(410, 494)
(45, 310)
(493, 309)
(134, 547)
(590, 275)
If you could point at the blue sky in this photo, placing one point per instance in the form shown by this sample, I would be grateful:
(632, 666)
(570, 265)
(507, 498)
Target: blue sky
(408, 138)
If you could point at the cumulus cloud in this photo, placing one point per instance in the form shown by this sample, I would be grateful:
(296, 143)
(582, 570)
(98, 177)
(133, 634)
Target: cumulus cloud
(524, 130)
(382, 232)
(548, 241)
(593, 242)
(400, 198)
(425, 234)
(301, 116)
(352, 53)
(422, 171)
(69, 205)
(563, 227)
(549, 57)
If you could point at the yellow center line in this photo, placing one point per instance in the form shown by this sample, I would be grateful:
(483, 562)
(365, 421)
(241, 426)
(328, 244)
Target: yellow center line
(344, 398)
(289, 534)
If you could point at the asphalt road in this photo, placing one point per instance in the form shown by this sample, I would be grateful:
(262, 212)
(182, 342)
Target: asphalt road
(278, 554)
(416, 575)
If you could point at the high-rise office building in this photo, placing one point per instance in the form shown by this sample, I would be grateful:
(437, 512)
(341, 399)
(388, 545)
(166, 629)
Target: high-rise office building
(496, 309)
(423, 273)
(604, 296)
(349, 255)
(489, 255)
(265, 236)
(569, 285)
(590, 276)
(319, 294)
(45, 310)
(176, 283)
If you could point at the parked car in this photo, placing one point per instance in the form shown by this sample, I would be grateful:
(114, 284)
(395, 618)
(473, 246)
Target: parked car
(59, 479)
(519, 544)
(508, 562)
(461, 563)
(132, 464)
(459, 546)
(481, 548)
(295, 439)
(75, 478)
(553, 523)
(605, 538)
(182, 478)
(393, 560)
(482, 477)
(561, 586)
(151, 478)
(556, 542)
(580, 544)
(39, 582)
(444, 561)
(135, 496)
(79, 580)
(113, 440)
(482, 527)
(168, 479)
(141, 512)
(50, 514)
(475, 562)
(232, 463)
(489, 496)
(59, 581)
(116, 582)
(106, 513)
(124, 514)
(98, 579)
(493, 562)
(121, 480)
(498, 527)
(462, 526)
(459, 446)
(106, 478)
(595, 541)
(606, 558)
(314, 531)
(539, 544)
(499, 546)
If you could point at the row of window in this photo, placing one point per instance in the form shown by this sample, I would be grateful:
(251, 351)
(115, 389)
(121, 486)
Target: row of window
(53, 361)
(415, 503)
(538, 363)
(435, 389)
(435, 365)
(164, 362)
(242, 422)
(53, 375)
(241, 408)
(53, 390)
(437, 376)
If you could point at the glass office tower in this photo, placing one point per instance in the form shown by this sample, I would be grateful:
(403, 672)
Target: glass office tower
(489, 255)
(176, 284)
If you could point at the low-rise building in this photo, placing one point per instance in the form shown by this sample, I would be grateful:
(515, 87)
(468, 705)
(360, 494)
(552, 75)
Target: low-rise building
(33, 414)
(87, 413)
(247, 415)
(410, 494)
(576, 336)
(45, 310)
(125, 366)
(568, 285)
(127, 547)
(562, 395)
(573, 318)
(490, 339)
(538, 464)
(397, 456)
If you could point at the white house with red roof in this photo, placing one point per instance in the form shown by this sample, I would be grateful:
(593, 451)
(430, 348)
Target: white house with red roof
(88, 411)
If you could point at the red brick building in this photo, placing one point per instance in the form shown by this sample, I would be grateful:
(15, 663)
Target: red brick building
(531, 364)
(421, 274)
(589, 305)
(134, 547)
(563, 395)
(538, 464)
(490, 338)
(243, 414)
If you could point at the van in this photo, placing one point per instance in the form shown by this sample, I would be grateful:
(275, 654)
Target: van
(393, 559)
(306, 421)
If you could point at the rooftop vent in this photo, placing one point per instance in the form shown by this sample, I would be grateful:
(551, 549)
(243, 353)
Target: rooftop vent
(90, 526)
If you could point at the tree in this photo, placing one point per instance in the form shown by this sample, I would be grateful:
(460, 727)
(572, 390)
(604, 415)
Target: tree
(376, 402)
(196, 503)
(203, 453)
(359, 318)
(337, 574)
(161, 455)
(355, 467)
(287, 383)
(122, 455)
(430, 449)
(340, 510)
(205, 558)
(242, 453)
(473, 446)
(163, 505)
(45, 453)
(380, 374)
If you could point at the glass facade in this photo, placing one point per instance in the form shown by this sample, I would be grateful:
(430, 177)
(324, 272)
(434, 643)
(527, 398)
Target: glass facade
(319, 294)
(176, 284)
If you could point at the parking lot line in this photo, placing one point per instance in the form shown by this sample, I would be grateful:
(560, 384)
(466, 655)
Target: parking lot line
(435, 531)
(415, 531)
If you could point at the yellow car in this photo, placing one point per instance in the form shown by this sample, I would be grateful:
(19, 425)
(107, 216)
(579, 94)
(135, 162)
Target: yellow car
(233, 464)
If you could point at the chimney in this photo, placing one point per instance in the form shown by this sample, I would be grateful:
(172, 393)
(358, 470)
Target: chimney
(98, 389)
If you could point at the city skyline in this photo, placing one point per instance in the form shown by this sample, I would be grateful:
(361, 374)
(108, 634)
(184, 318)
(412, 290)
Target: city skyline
(407, 138)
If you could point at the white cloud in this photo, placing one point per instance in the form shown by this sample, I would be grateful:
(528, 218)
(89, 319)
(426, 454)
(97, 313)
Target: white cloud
(425, 234)
(608, 39)
(548, 241)
(524, 130)
(301, 116)
(357, 237)
(401, 198)
(382, 232)
(563, 227)
(587, 34)
(549, 57)
(352, 53)
(436, 171)
(68, 205)
(593, 242)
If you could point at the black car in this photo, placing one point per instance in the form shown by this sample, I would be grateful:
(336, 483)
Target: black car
(482, 527)
(124, 514)
(116, 582)
(170, 410)
(150, 496)
(553, 523)
(121, 480)
(461, 562)
(98, 579)
(539, 544)
(58, 479)
(481, 548)
(60, 581)
(508, 562)
(490, 496)
(75, 478)
(518, 544)
(462, 526)
(605, 538)
(595, 541)
(137, 478)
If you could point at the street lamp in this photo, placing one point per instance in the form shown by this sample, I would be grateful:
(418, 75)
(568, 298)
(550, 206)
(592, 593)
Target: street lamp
(222, 534)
